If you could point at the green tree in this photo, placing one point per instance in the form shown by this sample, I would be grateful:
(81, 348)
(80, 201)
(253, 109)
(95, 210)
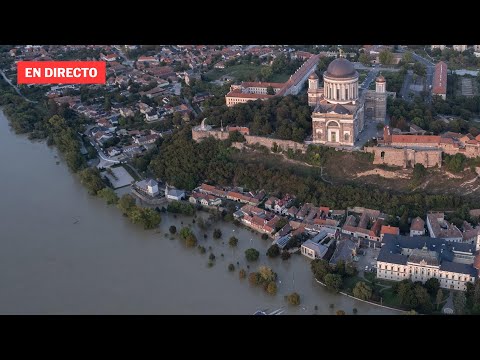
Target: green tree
(340, 312)
(320, 268)
(272, 288)
(407, 57)
(281, 223)
(419, 173)
(285, 255)
(231, 267)
(108, 103)
(267, 274)
(254, 278)
(233, 241)
(92, 180)
(364, 59)
(150, 218)
(172, 229)
(251, 254)
(125, 203)
(242, 274)
(333, 282)
(264, 237)
(293, 299)
(362, 291)
(273, 251)
(432, 285)
(386, 57)
(108, 195)
(459, 302)
(217, 234)
(270, 91)
(236, 136)
(439, 298)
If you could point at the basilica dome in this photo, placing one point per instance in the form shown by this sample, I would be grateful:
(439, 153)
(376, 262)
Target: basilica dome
(340, 68)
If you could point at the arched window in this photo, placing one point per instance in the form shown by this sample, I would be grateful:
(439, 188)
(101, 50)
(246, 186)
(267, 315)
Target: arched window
(346, 136)
(338, 94)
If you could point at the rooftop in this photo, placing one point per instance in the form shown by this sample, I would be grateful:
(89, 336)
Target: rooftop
(423, 248)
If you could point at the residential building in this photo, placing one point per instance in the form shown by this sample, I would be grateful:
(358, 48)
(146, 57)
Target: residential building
(420, 258)
(440, 80)
(441, 47)
(172, 193)
(367, 226)
(417, 227)
(205, 199)
(438, 227)
(148, 187)
(460, 48)
(318, 247)
(387, 229)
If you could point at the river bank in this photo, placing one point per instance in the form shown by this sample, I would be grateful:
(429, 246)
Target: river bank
(64, 251)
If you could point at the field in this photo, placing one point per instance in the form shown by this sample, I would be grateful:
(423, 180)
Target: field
(243, 72)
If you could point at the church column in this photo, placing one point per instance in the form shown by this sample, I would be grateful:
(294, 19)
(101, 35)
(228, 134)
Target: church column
(342, 91)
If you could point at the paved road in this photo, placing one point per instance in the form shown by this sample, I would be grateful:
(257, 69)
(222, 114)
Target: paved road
(404, 92)
(369, 131)
(124, 57)
(370, 77)
(430, 71)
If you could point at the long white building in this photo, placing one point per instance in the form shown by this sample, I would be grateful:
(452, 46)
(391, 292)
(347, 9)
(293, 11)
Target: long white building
(420, 258)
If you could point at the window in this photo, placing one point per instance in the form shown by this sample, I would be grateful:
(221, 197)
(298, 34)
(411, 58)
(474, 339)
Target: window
(346, 136)
(338, 94)
(346, 93)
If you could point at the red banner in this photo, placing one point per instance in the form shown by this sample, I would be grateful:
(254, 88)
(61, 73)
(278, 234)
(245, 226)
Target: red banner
(61, 72)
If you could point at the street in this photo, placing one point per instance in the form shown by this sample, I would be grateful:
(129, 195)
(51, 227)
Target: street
(369, 131)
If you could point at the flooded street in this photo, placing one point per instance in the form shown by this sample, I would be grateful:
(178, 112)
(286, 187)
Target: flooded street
(65, 252)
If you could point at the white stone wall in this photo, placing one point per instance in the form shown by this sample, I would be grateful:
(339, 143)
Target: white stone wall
(448, 280)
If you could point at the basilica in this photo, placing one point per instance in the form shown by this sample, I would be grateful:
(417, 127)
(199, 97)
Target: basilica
(340, 107)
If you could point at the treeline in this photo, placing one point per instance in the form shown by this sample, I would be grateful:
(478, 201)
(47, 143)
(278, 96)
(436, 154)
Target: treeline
(287, 118)
(185, 164)
(59, 125)
(403, 113)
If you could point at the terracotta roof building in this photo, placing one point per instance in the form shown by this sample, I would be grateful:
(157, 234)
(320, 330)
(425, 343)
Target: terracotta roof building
(440, 80)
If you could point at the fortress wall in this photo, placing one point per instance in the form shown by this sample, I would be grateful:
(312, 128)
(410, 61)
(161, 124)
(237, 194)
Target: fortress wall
(405, 157)
(251, 140)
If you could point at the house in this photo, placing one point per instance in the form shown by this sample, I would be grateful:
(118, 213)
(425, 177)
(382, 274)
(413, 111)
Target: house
(125, 112)
(113, 151)
(292, 212)
(219, 65)
(205, 199)
(317, 247)
(417, 227)
(148, 187)
(172, 193)
(147, 139)
(438, 227)
(387, 229)
(270, 203)
(109, 57)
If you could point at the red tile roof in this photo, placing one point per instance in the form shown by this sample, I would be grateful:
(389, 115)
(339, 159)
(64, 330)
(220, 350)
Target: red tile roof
(440, 78)
(416, 139)
(387, 229)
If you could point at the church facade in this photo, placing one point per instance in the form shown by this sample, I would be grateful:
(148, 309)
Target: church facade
(339, 107)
